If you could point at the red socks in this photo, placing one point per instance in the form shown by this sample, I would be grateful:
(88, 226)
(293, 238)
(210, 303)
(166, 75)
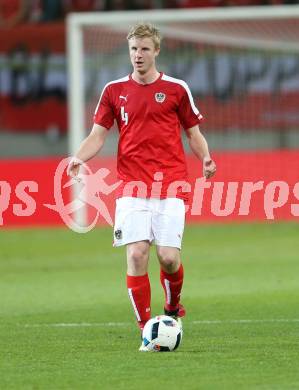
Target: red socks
(172, 285)
(139, 290)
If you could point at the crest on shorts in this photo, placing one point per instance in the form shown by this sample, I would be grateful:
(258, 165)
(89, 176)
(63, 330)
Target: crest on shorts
(160, 97)
(118, 234)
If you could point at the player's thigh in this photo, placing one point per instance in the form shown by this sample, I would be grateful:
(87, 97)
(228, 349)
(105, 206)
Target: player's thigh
(169, 222)
(132, 221)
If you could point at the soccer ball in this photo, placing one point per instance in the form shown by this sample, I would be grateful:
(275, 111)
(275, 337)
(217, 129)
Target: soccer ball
(162, 334)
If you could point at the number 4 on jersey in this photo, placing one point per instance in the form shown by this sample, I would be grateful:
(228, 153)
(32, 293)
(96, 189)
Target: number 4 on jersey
(124, 115)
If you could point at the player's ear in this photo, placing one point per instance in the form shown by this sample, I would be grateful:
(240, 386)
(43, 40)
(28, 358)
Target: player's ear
(157, 52)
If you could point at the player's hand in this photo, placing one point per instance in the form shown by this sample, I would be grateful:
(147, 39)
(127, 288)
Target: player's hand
(209, 167)
(73, 168)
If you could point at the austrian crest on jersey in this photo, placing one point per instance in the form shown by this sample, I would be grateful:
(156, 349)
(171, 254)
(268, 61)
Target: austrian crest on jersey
(160, 97)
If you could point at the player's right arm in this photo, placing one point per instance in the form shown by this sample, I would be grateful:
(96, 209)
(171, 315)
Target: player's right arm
(88, 149)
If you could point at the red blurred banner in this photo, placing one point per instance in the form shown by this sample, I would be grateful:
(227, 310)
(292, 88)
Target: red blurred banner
(265, 185)
(33, 77)
(36, 38)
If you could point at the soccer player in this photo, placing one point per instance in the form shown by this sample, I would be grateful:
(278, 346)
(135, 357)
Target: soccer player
(149, 108)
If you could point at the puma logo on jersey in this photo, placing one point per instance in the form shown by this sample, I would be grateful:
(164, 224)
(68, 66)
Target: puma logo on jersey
(124, 97)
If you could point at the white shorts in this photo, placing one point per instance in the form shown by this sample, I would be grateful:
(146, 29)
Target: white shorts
(155, 220)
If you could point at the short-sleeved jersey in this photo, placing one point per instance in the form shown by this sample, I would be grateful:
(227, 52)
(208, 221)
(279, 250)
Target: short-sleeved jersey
(149, 119)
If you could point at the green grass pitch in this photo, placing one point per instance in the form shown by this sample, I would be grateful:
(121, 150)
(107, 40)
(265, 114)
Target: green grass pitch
(66, 321)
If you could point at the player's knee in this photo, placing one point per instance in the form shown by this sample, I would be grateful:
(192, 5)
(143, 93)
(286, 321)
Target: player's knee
(169, 260)
(137, 258)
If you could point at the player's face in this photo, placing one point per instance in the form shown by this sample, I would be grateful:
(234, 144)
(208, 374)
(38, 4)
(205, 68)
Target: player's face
(142, 54)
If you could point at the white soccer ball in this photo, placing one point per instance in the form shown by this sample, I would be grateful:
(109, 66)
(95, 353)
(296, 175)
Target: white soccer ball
(162, 334)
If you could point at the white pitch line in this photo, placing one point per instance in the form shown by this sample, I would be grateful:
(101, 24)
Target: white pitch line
(125, 324)
(77, 325)
(246, 321)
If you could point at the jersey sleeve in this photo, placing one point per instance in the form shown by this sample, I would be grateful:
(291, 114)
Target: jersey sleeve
(104, 115)
(188, 113)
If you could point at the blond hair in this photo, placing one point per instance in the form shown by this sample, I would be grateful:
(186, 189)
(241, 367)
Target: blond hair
(146, 30)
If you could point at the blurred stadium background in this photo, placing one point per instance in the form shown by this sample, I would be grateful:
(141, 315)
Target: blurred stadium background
(243, 72)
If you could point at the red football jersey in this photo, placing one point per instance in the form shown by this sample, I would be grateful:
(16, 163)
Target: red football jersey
(149, 119)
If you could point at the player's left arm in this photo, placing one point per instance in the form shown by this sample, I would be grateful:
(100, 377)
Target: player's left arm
(200, 148)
